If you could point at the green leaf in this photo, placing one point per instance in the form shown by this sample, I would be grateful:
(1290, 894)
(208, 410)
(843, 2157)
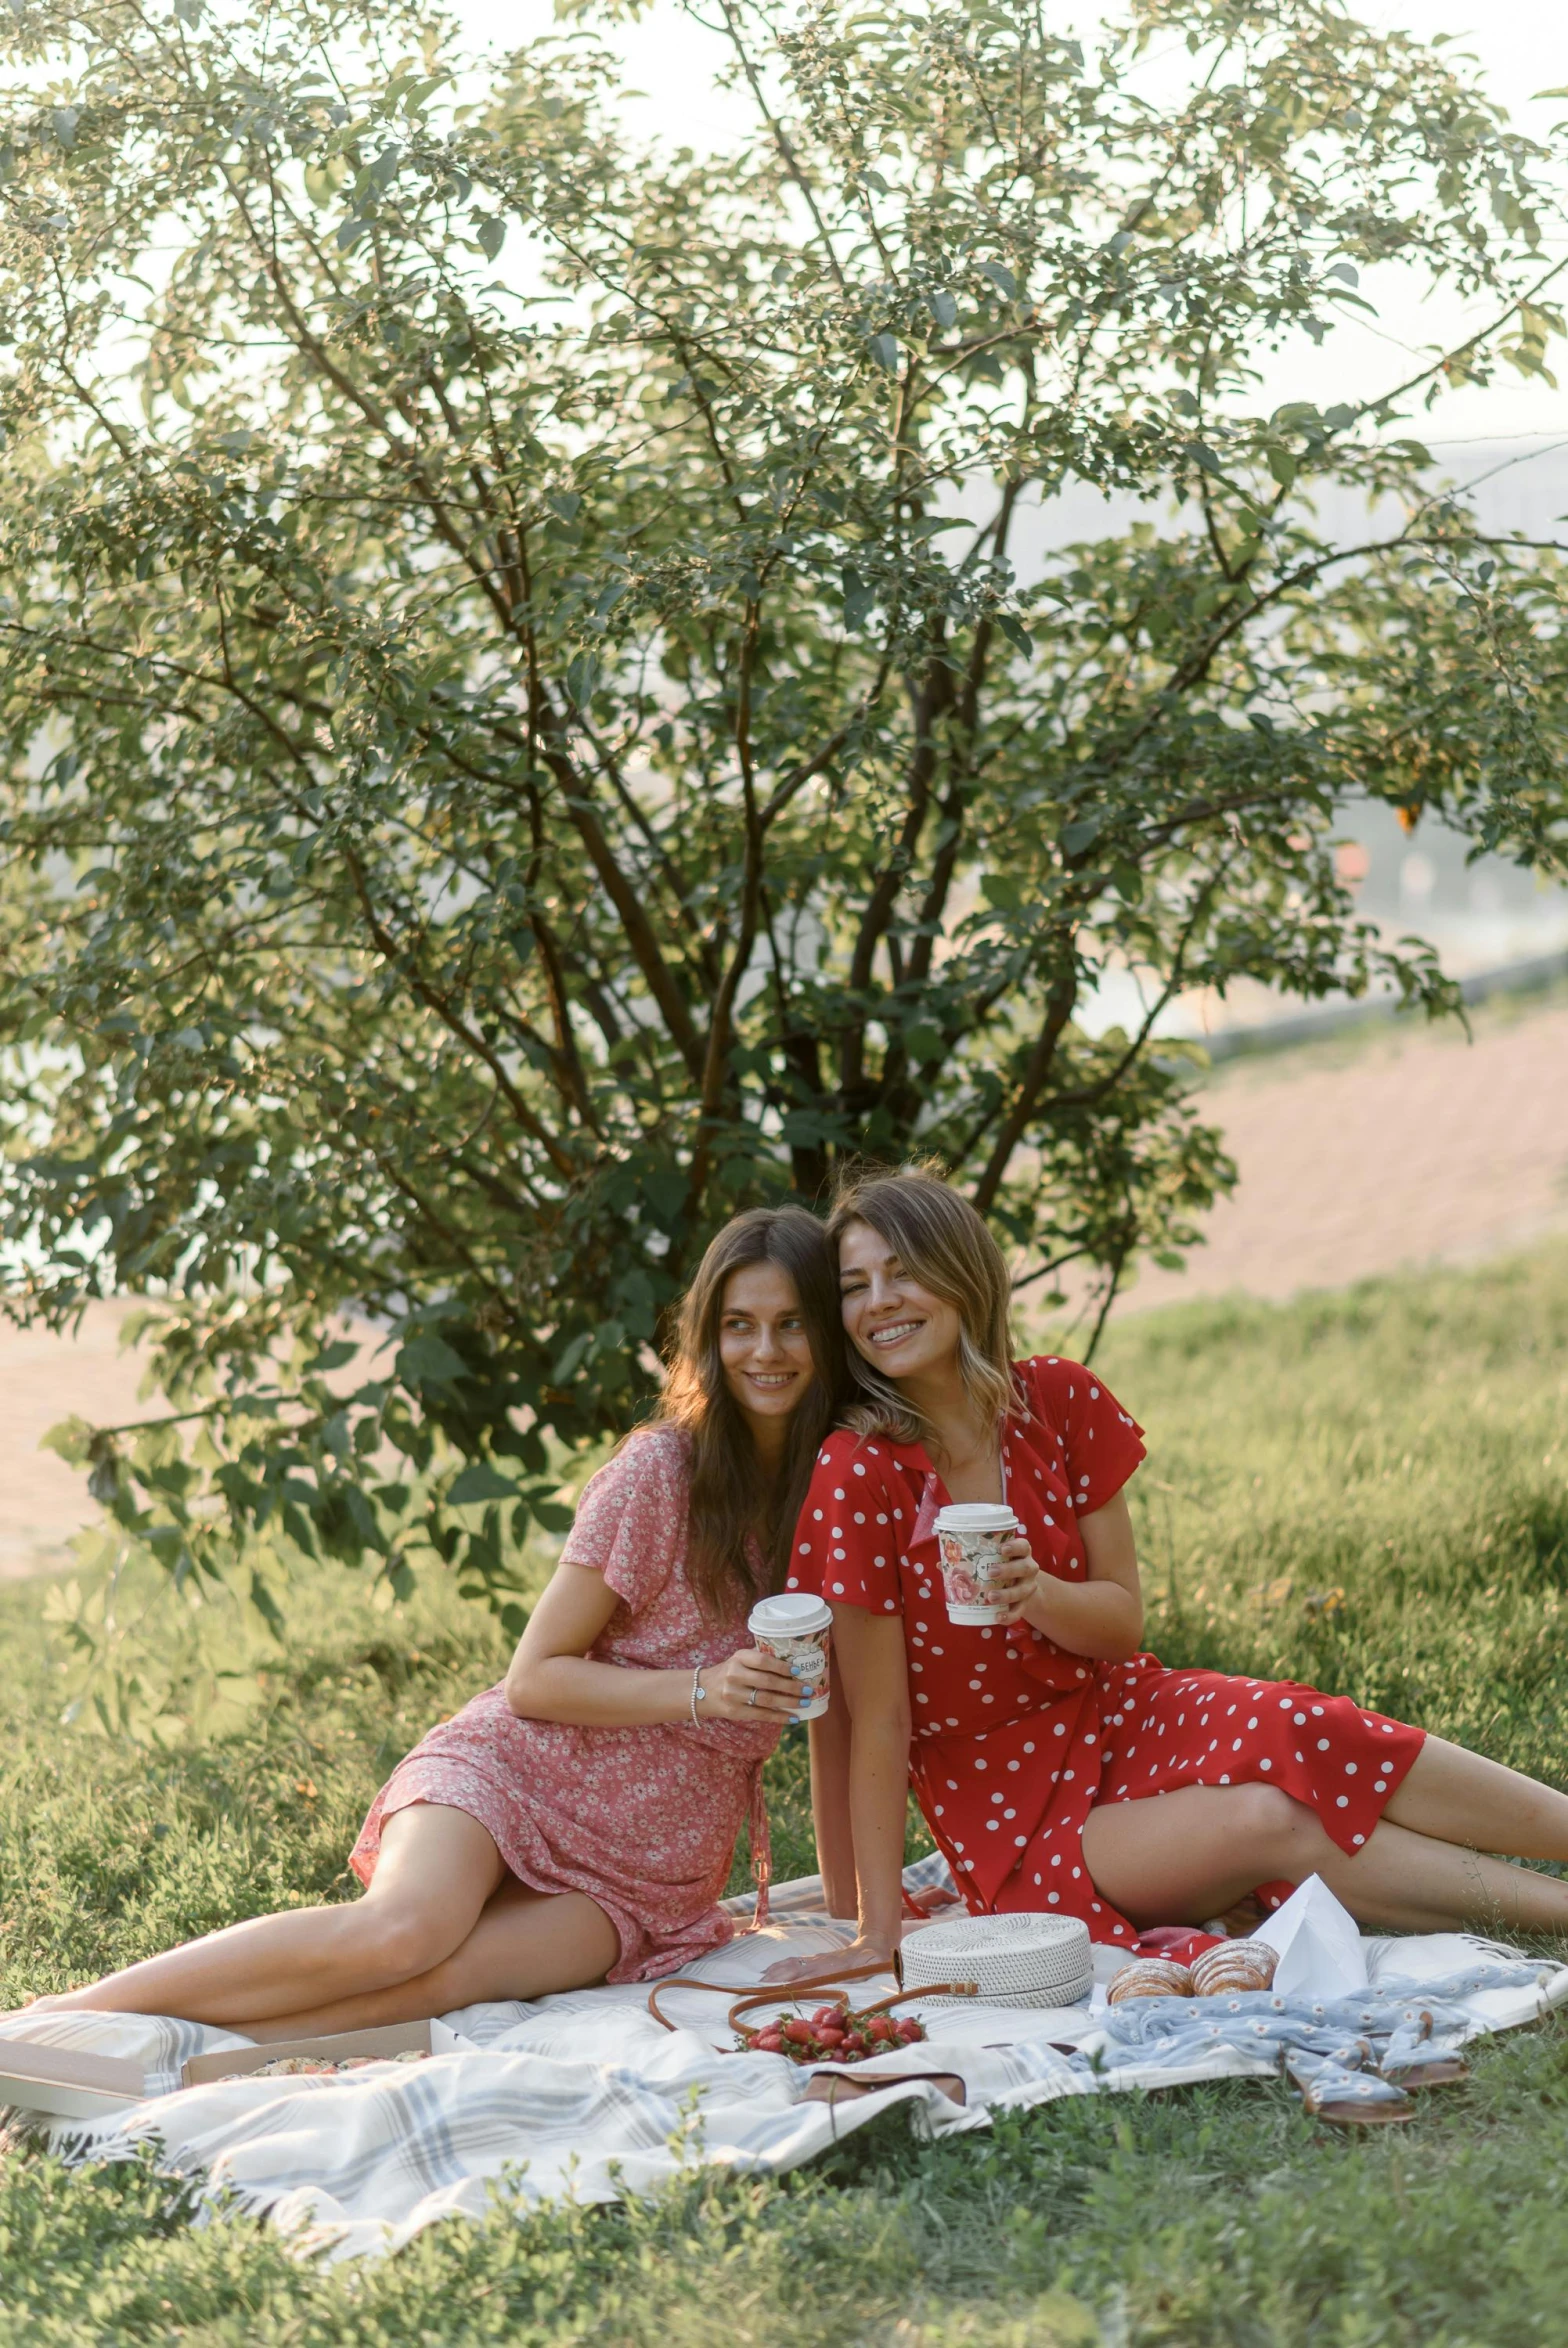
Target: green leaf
(1004, 890)
(72, 1438)
(492, 236)
(478, 1484)
(884, 349)
(666, 1190)
(429, 1361)
(859, 598)
(267, 1606)
(943, 309)
(570, 1359)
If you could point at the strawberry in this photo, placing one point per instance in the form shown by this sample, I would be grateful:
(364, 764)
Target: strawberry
(909, 2031)
(826, 2017)
(796, 2033)
(768, 2042)
(831, 2035)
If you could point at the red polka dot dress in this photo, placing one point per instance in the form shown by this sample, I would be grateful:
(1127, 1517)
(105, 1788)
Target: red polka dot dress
(1015, 1740)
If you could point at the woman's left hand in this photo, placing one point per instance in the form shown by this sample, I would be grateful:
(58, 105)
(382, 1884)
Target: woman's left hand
(1018, 1580)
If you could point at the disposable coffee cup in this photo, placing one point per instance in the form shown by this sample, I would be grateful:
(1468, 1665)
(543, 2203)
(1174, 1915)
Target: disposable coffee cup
(797, 1628)
(969, 1537)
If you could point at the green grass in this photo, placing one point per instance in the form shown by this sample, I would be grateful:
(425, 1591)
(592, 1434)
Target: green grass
(1370, 1491)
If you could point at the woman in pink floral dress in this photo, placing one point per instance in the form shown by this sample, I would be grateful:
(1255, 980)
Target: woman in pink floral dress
(578, 1821)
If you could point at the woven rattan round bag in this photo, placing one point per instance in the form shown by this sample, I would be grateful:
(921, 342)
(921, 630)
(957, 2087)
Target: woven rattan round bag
(1012, 1960)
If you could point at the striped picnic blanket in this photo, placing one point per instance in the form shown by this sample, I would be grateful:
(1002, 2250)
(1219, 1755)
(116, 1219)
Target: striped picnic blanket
(584, 2096)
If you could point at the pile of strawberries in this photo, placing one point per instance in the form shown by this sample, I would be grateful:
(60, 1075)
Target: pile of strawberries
(833, 2034)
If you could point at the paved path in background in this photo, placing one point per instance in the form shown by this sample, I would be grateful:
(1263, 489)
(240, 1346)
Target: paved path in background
(44, 1379)
(1412, 1149)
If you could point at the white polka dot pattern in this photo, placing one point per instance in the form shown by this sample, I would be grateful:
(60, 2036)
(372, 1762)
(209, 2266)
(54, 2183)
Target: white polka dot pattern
(1132, 1731)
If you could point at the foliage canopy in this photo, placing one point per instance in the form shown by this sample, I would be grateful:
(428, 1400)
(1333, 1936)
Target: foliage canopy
(526, 724)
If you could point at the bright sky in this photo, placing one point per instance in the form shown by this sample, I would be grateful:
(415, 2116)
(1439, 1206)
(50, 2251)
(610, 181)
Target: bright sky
(1522, 46)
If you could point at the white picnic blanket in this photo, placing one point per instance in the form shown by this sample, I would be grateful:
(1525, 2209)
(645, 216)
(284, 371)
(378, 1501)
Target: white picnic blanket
(584, 2096)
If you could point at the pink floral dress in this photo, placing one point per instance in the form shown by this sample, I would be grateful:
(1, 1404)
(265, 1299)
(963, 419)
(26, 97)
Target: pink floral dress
(644, 1820)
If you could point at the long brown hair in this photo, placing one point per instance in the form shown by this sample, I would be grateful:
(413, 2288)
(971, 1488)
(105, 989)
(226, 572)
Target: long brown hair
(726, 1474)
(943, 1243)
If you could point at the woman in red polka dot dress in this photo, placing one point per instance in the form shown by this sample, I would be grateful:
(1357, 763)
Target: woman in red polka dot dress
(1057, 1765)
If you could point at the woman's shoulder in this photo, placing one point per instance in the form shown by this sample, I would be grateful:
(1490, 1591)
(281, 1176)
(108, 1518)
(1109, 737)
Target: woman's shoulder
(1051, 1367)
(1069, 1397)
(840, 1443)
(633, 1508)
(658, 1453)
(846, 1450)
(1054, 1377)
(659, 1440)
(651, 1459)
(1046, 1386)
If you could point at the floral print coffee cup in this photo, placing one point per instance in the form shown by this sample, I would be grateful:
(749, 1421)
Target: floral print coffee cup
(969, 1537)
(797, 1628)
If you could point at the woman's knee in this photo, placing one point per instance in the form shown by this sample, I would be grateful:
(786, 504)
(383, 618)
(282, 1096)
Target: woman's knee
(393, 1943)
(1270, 1824)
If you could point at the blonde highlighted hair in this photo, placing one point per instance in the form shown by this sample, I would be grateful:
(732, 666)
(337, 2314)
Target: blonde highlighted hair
(943, 1243)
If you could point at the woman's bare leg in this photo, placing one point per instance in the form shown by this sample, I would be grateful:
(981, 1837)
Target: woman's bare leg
(1190, 1855)
(526, 1944)
(437, 1869)
(1460, 1797)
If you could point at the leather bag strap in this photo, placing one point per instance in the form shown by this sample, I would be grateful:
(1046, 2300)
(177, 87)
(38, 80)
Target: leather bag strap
(748, 1997)
(782, 1992)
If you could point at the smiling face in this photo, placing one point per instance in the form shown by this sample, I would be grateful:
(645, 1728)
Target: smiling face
(763, 1345)
(888, 1317)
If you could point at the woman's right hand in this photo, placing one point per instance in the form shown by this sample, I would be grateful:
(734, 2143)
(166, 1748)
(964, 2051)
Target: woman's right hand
(752, 1685)
(860, 1952)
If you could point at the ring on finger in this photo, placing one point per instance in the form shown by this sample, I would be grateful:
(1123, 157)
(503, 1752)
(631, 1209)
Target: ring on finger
(752, 1698)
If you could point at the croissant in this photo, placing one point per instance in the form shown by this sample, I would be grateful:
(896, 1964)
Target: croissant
(1149, 1977)
(1234, 1965)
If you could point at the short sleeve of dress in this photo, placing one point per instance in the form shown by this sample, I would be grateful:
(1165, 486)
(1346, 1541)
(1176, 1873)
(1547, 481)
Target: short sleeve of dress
(1101, 1442)
(852, 1528)
(631, 1520)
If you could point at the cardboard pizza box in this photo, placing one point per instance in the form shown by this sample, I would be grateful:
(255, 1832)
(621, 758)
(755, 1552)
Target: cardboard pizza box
(236, 2062)
(65, 2083)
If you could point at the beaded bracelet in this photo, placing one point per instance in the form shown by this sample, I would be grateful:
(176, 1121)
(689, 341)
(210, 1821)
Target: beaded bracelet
(699, 1695)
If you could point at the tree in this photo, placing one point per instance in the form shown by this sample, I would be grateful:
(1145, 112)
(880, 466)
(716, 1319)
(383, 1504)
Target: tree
(521, 729)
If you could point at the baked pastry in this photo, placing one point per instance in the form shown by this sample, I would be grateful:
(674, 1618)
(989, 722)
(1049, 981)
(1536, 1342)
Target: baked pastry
(1234, 1965)
(1149, 1977)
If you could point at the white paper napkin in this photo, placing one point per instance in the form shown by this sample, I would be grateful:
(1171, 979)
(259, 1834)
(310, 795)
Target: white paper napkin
(1320, 1951)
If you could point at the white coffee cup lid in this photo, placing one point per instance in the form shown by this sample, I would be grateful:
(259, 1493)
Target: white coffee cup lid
(975, 1516)
(789, 1614)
